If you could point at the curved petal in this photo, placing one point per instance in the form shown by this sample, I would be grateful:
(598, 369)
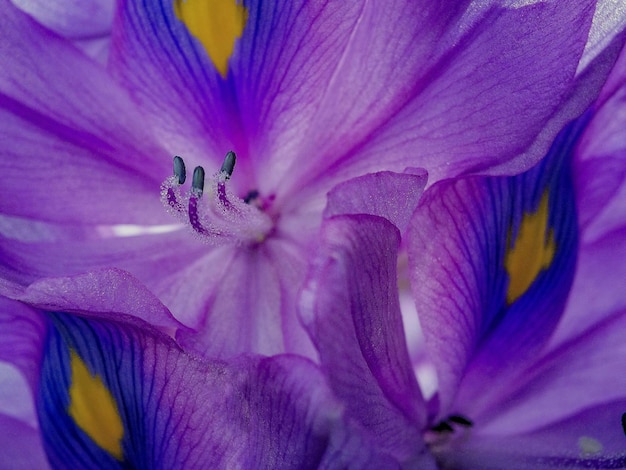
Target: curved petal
(492, 261)
(486, 100)
(161, 408)
(392, 196)
(351, 310)
(107, 292)
(69, 131)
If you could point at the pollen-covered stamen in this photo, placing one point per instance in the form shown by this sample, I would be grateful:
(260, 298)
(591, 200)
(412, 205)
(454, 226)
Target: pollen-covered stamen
(179, 169)
(211, 209)
(171, 187)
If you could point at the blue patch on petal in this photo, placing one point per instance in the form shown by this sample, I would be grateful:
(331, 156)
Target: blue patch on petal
(535, 238)
(68, 442)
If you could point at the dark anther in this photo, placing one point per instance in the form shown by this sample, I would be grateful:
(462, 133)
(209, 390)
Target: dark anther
(197, 185)
(443, 426)
(179, 169)
(251, 196)
(229, 164)
(624, 422)
(463, 421)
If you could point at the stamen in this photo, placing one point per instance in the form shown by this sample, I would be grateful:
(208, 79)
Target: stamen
(443, 426)
(251, 196)
(213, 211)
(179, 169)
(229, 165)
(463, 421)
(197, 183)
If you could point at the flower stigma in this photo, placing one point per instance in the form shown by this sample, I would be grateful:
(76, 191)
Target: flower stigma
(212, 211)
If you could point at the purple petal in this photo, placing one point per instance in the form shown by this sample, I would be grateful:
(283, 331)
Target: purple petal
(578, 375)
(392, 196)
(247, 301)
(507, 76)
(171, 410)
(491, 263)
(107, 292)
(69, 131)
(22, 448)
(71, 19)
(21, 330)
(593, 438)
(351, 309)
(597, 291)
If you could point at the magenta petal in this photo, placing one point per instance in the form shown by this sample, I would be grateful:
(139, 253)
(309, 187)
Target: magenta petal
(351, 309)
(392, 196)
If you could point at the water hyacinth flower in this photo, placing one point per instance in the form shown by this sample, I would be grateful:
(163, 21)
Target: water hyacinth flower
(105, 389)
(517, 282)
(307, 94)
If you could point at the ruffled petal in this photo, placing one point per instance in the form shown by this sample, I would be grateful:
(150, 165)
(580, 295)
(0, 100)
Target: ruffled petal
(120, 394)
(492, 261)
(351, 309)
(70, 132)
(108, 292)
(489, 97)
(392, 196)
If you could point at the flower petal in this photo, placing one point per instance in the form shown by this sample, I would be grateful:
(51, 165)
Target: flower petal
(593, 438)
(493, 83)
(108, 292)
(492, 260)
(68, 130)
(21, 446)
(579, 374)
(351, 309)
(161, 408)
(248, 302)
(392, 196)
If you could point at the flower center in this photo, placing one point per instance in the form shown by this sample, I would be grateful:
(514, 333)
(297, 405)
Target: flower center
(214, 212)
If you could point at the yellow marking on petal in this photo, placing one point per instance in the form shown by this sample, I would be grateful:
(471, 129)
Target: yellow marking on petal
(216, 23)
(532, 252)
(93, 408)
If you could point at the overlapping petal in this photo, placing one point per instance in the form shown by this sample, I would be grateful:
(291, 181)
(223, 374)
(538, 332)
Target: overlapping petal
(492, 260)
(351, 309)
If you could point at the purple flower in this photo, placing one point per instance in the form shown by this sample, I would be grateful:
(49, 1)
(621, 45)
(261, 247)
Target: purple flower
(518, 285)
(105, 389)
(307, 94)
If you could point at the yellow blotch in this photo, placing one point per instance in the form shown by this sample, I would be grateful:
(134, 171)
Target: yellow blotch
(532, 252)
(216, 23)
(93, 408)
